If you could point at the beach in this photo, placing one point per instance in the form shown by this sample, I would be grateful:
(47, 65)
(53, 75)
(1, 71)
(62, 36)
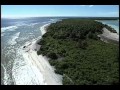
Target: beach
(39, 64)
(20, 64)
(108, 36)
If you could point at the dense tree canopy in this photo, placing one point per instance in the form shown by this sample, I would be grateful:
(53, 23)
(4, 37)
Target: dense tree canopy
(77, 53)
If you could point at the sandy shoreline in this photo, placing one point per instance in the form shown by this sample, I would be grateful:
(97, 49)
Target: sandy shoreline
(44, 71)
(108, 36)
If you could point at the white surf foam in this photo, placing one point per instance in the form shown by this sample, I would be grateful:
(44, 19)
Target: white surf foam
(32, 69)
(42, 29)
(115, 27)
(6, 79)
(12, 40)
(24, 70)
(53, 19)
(32, 24)
(9, 28)
(27, 74)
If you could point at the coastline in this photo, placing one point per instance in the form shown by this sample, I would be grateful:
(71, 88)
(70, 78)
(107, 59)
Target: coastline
(40, 63)
(38, 71)
(110, 25)
(70, 49)
(108, 36)
(43, 72)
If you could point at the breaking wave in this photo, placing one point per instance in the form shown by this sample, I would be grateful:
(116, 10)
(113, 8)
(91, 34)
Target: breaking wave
(9, 28)
(32, 69)
(115, 27)
(12, 40)
(42, 29)
(27, 68)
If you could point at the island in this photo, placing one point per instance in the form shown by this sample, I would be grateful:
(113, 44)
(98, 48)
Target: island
(83, 51)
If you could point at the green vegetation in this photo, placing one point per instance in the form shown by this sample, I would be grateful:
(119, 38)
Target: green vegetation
(77, 53)
(105, 18)
(110, 28)
(97, 18)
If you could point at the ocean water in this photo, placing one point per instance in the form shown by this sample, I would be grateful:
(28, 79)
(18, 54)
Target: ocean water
(14, 34)
(113, 23)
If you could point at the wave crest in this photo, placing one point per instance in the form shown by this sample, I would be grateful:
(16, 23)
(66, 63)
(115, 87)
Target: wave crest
(12, 41)
(9, 28)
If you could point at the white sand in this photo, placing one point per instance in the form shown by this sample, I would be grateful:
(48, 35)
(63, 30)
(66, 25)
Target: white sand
(109, 35)
(42, 70)
(41, 65)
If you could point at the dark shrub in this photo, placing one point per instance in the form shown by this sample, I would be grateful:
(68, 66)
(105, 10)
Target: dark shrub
(52, 55)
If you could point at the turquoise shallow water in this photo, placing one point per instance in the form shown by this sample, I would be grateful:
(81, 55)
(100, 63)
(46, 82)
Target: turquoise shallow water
(113, 23)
